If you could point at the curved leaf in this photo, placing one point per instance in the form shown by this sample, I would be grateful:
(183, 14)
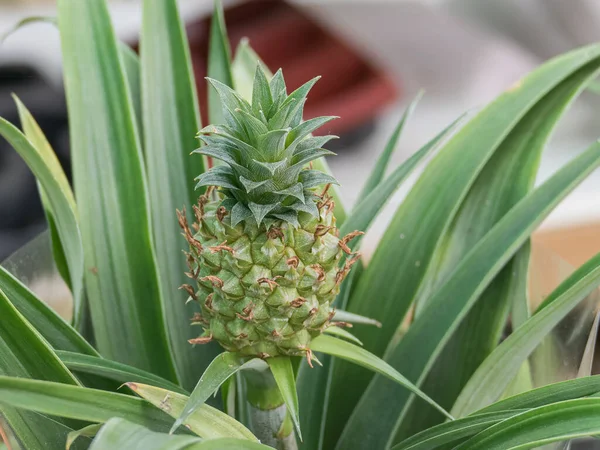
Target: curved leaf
(89, 431)
(506, 178)
(119, 433)
(450, 432)
(378, 172)
(24, 353)
(218, 371)
(74, 402)
(361, 357)
(428, 334)
(205, 421)
(112, 370)
(43, 163)
(498, 369)
(396, 271)
(49, 324)
(539, 426)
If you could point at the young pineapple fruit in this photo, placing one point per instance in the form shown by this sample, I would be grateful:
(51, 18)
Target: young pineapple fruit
(264, 250)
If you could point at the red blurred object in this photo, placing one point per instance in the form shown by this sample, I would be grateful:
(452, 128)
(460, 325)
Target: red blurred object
(286, 38)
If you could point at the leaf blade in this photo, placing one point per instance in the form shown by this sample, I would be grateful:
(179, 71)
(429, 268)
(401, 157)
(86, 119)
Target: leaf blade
(360, 356)
(218, 371)
(121, 275)
(171, 119)
(517, 347)
(427, 336)
(283, 372)
(206, 421)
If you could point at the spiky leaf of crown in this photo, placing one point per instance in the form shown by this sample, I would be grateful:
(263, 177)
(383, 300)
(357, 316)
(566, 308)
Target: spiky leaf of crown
(265, 147)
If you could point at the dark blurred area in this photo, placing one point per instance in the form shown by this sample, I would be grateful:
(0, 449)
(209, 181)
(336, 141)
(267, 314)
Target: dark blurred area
(21, 214)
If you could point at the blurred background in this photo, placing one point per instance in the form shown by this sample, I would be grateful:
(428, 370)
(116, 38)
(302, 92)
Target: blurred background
(374, 57)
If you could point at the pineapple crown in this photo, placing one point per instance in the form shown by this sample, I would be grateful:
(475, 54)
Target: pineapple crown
(265, 147)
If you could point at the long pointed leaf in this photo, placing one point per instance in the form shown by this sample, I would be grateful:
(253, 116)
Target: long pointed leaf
(122, 373)
(544, 425)
(361, 357)
(41, 160)
(171, 120)
(396, 271)
(499, 368)
(47, 322)
(219, 62)
(121, 275)
(427, 336)
(451, 432)
(552, 393)
(24, 353)
(205, 421)
(439, 435)
(506, 179)
(378, 172)
(58, 399)
(283, 372)
(119, 433)
(218, 371)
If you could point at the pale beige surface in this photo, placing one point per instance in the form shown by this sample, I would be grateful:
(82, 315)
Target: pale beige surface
(575, 244)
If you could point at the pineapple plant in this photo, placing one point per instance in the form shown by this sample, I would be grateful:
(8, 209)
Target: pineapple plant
(271, 278)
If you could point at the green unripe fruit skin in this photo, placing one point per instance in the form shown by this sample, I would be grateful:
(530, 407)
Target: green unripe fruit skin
(266, 292)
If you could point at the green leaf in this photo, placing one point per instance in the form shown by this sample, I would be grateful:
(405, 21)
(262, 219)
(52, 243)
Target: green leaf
(377, 175)
(360, 218)
(397, 269)
(283, 372)
(122, 373)
(231, 444)
(205, 421)
(450, 432)
(428, 334)
(363, 215)
(243, 69)
(507, 177)
(439, 435)
(121, 274)
(36, 136)
(25, 354)
(219, 62)
(218, 371)
(48, 323)
(119, 433)
(363, 358)
(494, 374)
(342, 334)
(89, 431)
(24, 22)
(79, 403)
(171, 120)
(131, 63)
(345, 316)
(552, 393)
(42, 161)
(539, 426)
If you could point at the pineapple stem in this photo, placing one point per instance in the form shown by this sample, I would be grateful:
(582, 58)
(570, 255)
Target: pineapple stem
(269, 419)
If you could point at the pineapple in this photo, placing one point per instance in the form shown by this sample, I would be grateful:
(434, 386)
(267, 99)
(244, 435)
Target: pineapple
(264, 250)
